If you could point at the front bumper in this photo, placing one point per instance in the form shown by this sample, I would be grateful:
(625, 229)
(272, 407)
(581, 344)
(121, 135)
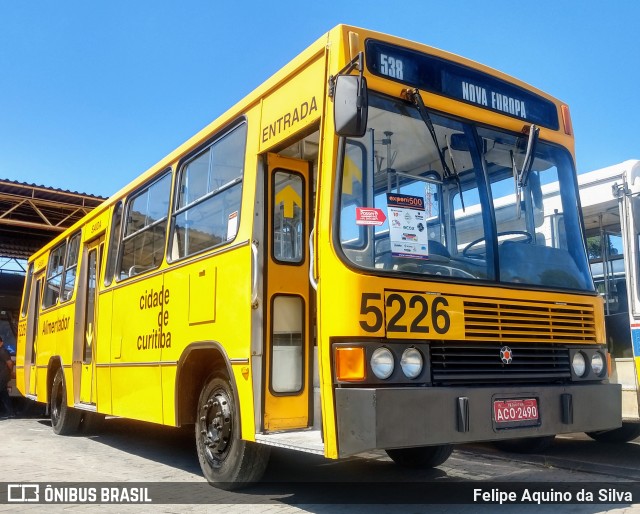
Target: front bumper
(380, 418)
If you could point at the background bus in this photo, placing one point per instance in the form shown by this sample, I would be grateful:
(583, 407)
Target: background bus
(608, 198)
(611, 209)
(323, 268)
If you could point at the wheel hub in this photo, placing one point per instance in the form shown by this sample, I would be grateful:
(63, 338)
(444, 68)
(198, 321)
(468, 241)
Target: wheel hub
(216, 426)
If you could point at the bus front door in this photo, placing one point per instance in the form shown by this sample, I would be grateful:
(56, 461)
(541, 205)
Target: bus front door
(288, 344)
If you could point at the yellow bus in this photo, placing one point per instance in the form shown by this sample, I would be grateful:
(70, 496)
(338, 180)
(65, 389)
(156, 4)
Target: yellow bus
(323, 269)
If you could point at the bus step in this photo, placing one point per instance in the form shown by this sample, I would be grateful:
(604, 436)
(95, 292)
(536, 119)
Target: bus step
(309, 441)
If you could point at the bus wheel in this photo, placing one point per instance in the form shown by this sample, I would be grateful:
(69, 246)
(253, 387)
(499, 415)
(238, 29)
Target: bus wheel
(64, 419)
(525, 444)
(627, 432)
(423, 457)
(227, 461)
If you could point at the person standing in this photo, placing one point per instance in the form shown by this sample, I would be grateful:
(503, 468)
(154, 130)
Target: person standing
(6, 367)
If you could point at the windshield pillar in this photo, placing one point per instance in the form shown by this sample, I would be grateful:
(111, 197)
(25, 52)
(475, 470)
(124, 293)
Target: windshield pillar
(486, 199)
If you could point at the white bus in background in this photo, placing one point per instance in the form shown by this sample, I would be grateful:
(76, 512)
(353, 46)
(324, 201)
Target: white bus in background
(610, 199)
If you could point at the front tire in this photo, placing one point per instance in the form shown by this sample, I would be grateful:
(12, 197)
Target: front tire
(422, 457)
(627, 432)
(227, 461)
(64, 420)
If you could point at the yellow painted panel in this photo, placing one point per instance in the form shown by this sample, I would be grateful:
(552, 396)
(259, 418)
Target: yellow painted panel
(202, 294)
(97, 225)
(136, 392)
(168, 373)
(230, 326)
(41, 384)
(103, 352)
(103, 390)
(294, 106)
(86, 384)
(138, 335)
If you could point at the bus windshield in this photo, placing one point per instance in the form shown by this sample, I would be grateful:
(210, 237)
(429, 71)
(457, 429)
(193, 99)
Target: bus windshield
(460, 212)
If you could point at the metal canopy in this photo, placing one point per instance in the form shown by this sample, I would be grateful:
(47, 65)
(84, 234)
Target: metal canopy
(32, 215)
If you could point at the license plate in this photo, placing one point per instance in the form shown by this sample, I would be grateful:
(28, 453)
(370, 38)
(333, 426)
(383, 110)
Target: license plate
(514, 410)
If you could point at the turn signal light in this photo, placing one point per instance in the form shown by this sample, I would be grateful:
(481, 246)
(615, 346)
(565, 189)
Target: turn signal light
(566, 120)
(350, 364)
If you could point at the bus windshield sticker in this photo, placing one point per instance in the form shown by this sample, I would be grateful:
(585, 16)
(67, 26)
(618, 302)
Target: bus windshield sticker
(407, 230)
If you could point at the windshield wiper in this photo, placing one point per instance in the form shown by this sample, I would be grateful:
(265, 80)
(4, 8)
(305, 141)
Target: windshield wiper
(413, 95)
(527, 163)
(521, 177)
(516, 184)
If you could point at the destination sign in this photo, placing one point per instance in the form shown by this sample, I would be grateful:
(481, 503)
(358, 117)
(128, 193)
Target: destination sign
(459, 82)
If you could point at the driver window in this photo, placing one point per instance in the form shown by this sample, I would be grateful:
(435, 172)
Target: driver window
(352, 235)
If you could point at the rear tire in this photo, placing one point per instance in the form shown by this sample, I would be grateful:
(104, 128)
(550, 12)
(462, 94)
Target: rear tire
(422, 457)
(627, 432)
(227, 461)
(64, 420)
(526, 444)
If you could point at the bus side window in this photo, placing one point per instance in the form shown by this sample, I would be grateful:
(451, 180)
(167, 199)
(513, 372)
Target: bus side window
(354, 178)
(54, 276)
(209, 194)
(71, 266)
(27, 292)
(114, 239)
(145, 228)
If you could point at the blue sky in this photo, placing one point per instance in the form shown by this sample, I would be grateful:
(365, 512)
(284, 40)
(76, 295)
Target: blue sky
(92, 93)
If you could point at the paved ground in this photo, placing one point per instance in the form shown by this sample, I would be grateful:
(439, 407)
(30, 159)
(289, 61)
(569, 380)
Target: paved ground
(127, 453)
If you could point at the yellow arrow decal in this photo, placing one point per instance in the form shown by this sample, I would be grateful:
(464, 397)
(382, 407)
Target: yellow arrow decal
(89, 334)
(288, 196)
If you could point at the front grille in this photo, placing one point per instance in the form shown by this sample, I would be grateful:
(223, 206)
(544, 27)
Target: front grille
(507, 321)
(481, 362)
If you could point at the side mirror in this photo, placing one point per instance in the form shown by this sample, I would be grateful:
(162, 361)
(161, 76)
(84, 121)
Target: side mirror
(350, 105)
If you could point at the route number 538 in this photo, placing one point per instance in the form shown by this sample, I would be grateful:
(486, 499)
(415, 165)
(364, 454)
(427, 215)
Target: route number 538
(412, 315)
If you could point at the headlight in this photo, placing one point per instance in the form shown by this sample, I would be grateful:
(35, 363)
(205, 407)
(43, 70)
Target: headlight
(411, 363)
(382, 363)
(579, 364)
(597, 363)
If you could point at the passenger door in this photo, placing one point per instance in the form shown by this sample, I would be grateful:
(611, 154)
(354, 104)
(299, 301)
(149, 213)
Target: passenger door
(89, 329)
(33, 316)
(288, 342)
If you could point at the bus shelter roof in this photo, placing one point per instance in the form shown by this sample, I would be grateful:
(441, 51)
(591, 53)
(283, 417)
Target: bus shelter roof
(31, 215)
